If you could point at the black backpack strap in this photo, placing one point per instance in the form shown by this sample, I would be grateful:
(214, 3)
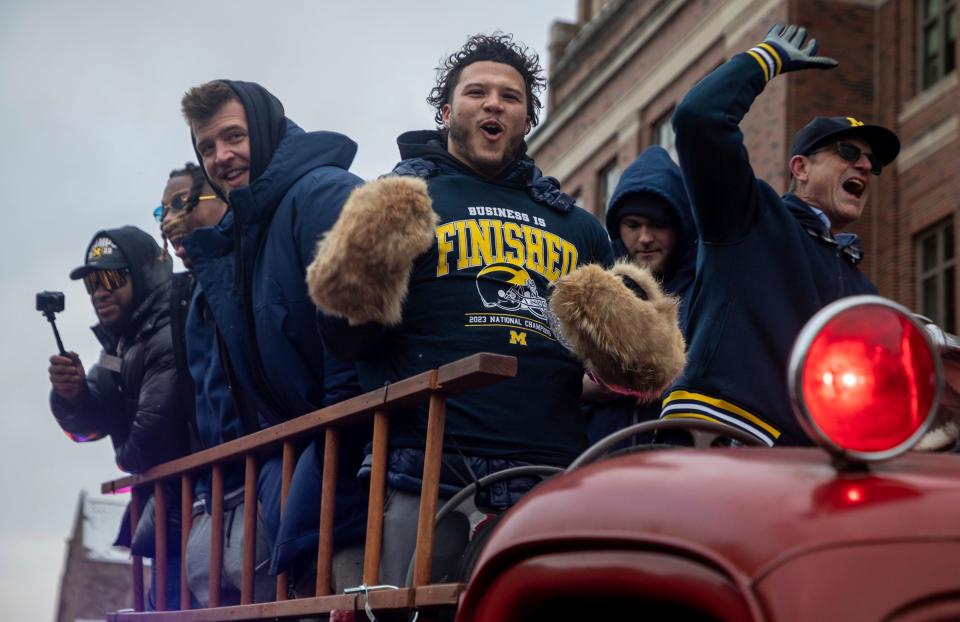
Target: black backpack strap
(180, 295)
(244, 405)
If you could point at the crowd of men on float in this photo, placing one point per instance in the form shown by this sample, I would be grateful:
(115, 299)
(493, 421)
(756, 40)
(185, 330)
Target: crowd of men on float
(450, 254)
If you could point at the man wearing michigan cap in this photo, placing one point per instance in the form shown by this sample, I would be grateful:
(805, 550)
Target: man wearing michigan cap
(767, 263)
(133, 393)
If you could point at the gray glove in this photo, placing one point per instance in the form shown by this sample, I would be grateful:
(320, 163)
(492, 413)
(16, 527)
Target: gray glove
(783, 50)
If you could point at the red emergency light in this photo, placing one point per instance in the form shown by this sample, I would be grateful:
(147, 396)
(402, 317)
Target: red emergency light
(865, 378)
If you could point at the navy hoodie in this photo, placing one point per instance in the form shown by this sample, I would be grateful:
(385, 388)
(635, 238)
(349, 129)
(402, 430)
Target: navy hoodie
(654, 172)
(483, 286)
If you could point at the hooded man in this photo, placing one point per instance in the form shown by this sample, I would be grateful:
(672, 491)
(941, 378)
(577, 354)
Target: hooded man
(767, 263)
(251, 317)
(649, 220)
(650, 224)
(134, 393)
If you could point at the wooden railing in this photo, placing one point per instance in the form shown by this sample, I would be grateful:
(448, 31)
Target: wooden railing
(463, 375)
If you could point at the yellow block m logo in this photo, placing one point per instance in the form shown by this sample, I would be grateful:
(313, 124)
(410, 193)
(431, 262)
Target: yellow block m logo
(518, 337)
(854, 122)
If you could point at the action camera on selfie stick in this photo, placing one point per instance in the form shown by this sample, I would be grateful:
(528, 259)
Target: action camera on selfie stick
(49, 304)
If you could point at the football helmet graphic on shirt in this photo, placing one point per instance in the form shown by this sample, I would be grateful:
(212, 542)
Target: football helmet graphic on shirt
(510, 288)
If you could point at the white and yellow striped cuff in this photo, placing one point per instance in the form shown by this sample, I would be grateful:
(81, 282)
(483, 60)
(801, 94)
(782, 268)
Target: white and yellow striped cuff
(769, 60)
(686, 404)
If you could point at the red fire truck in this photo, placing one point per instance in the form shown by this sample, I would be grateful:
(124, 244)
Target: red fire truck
(860, 527)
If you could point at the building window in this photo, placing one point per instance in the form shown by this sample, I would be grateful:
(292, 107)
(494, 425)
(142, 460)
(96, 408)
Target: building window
(663, 135)
(936, 275)
(938, 40)
(609, 177)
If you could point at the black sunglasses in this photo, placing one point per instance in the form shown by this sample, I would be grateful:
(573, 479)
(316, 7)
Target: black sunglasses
(108, 279)
(851, 153)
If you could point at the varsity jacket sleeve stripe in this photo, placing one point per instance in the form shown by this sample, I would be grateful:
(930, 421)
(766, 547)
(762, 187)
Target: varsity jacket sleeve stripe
(686, 405)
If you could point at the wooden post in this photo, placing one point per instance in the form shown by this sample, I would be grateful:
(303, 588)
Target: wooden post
(216, 534)
(186, 522)
(249, 529)
(331, 449)
(137, 560)
(160, 543)
(433, 455)
(289, 458)
(378, 476)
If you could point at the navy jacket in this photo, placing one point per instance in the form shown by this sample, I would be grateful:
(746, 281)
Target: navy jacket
(483, 286)
(251, 269)
(766, 265)
(653, 172)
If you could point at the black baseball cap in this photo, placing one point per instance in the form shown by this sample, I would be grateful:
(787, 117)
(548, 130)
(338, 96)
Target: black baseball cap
(822, 130)
(102, 254)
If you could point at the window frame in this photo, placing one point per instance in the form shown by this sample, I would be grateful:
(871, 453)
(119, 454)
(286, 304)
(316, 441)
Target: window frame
(939, 22)
(604, 188)
(942, 266)
(664, 121)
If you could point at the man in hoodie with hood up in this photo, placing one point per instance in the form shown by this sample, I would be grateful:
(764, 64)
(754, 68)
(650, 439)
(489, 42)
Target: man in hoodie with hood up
(649, 220)
(650, 223)
(251, 318)
(132, 394)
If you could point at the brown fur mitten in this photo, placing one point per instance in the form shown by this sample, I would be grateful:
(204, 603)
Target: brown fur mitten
(362, 267)
(622, 326)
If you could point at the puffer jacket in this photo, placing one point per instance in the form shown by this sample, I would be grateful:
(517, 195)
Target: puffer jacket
(140, 407)
(251, 269)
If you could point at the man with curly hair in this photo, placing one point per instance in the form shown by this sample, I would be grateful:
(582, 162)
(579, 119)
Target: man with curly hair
(456, 252)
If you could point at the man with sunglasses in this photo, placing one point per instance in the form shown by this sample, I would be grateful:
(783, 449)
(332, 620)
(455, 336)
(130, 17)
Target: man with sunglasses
(127, 394)
(767, 263)
(189, 203)
(133, 393)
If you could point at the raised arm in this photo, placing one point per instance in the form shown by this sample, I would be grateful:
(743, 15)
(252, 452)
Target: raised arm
(716, 167)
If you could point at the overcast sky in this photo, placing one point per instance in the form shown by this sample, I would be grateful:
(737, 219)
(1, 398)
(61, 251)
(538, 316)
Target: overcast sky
(89, 130)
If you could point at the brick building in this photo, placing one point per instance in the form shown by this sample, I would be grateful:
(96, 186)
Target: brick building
(617, 74)
(96, 575)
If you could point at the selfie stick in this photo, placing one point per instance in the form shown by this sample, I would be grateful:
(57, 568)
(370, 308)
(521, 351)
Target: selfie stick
(51, 317)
